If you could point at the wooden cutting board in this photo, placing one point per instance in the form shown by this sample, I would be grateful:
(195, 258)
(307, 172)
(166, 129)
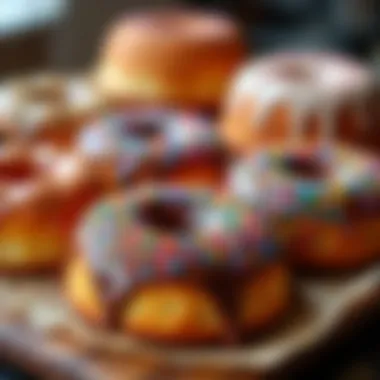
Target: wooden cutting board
(39, 332)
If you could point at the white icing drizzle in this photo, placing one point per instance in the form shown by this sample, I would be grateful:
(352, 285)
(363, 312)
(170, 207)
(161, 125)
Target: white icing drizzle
(78, 96)
(242, 180)
(310, 83)
(81, 95)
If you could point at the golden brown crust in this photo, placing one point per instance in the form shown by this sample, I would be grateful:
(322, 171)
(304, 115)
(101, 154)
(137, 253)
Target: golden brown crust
(29, 243)
(60, 133)
(180, 57)
(183, 312)
(265, 299)
(174, 312)
(80, 288)
(40, 205)
(337, 247)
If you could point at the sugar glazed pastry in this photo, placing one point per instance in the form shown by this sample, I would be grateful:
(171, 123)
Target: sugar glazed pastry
(298, 98)
(154, 144)
(170, 57)
(48, 107)
(171, 265)
(327, 202)
(41, 195)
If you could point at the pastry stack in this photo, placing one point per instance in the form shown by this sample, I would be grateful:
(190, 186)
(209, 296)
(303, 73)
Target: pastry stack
(180, 186)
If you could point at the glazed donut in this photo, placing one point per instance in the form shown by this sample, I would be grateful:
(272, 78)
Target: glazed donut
(298, 98)
(48, 107)
(155, 264)
(327, 202)
(159, 144)
(169, 57)
(42, 194)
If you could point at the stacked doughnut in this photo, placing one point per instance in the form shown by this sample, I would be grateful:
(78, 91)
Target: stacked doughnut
(178, 263)
(44, 187)
(187, 233)
(170, 256)
(55, 170)
(298, 122)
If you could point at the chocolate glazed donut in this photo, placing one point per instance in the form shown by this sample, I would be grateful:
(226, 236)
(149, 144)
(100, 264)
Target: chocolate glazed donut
(176, 266)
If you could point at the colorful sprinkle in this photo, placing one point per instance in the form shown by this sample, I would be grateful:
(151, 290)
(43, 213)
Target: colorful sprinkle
(223, 234)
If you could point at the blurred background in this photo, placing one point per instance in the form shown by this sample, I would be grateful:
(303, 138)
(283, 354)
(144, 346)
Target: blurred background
(65, 34)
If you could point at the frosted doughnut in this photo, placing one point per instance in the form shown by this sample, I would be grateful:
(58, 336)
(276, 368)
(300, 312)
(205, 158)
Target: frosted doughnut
(47, 106)
(41, 196)
(167, 244)
(165, 144)
(328, 200)
(297, 97)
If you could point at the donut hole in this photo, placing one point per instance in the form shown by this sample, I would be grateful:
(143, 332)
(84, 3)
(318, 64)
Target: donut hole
(303, 166)
(165, 216)
(143, 130)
